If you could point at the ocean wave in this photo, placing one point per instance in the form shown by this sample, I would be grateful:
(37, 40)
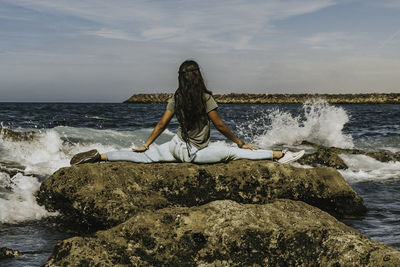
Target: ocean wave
(319, 123)
(17, 199)
(363, 168)
(390, 143)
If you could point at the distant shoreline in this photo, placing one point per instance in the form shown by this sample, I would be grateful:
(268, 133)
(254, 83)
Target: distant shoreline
(243, 98)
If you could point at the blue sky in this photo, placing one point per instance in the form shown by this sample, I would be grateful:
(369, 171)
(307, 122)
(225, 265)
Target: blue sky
(100, 50)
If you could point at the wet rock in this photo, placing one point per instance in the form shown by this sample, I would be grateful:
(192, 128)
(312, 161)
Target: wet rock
(384, 156)
(329, 156)
(8, 134)
(7, 253)
(225, 233)
(323, 157)
(106, 194)
(11, 167)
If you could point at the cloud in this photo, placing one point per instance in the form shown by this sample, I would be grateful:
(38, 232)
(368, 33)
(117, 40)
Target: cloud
(160, 32)
(229, 24)
(387, 3)
(112, 34)
(329, 40)
(390, 39)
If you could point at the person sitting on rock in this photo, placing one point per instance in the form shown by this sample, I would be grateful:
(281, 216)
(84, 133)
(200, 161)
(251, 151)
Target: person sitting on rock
(194, 107)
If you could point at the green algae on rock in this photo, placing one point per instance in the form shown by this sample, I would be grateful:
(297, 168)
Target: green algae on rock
(226, 233)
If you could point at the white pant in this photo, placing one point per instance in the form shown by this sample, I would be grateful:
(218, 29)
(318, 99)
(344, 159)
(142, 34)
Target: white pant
(176, 151)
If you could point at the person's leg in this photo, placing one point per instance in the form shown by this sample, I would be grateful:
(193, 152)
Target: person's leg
(215, 154)
(179, 150)
(259, 154)
(154, 154)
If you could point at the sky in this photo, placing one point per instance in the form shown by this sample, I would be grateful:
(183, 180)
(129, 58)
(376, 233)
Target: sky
(105, 51)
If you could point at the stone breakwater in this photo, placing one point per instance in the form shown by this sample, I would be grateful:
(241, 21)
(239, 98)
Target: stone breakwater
(240, 213)
(392, 98)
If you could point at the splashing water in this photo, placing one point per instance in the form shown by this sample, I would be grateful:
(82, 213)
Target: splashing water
(18, 202)
(320, 123)
(363, 168)
(25, 162)
(23, 165)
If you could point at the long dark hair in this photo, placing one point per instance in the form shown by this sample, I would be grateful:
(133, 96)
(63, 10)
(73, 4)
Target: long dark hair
(189, 100)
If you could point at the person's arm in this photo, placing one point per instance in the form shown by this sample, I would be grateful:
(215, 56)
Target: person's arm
(220, 125)
(158, 129)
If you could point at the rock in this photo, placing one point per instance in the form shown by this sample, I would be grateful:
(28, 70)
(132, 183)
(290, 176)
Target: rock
(323, 157)
(7, 253)
(8, 134)
(328, 156)
(106, 194)
(384, 155)
(225, 233)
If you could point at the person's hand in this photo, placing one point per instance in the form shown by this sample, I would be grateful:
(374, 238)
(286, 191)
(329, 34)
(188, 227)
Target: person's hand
(248, 146)
(140, 149)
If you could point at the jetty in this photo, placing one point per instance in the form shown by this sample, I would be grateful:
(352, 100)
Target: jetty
(247, 98)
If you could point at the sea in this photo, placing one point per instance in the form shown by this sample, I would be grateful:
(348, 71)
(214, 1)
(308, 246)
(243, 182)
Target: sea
(64, 129)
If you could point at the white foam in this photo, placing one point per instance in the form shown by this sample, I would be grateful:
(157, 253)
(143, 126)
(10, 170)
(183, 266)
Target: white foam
(320, 123)
(42, 155)
(20, 203)
(364, 168)
(97, 117)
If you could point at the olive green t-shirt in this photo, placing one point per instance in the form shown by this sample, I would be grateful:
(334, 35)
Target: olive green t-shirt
(199, 135)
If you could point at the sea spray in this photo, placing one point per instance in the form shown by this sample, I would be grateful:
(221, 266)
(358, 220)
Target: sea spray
(25, 162)
(39, 154)
(318, 122)
(363, 168)
(17, 199)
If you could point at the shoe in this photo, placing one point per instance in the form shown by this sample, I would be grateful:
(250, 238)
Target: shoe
(90, 156)
(289, 156)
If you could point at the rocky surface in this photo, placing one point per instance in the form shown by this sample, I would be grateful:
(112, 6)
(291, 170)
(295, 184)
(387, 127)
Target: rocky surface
(7, 253)
(225, 233)
(323, 156)
(103, 195)
(8, 134)
(329, 156)
(375, 98)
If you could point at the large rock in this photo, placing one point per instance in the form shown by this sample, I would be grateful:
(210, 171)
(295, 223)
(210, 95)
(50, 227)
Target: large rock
(225, 233)
(103, 195)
